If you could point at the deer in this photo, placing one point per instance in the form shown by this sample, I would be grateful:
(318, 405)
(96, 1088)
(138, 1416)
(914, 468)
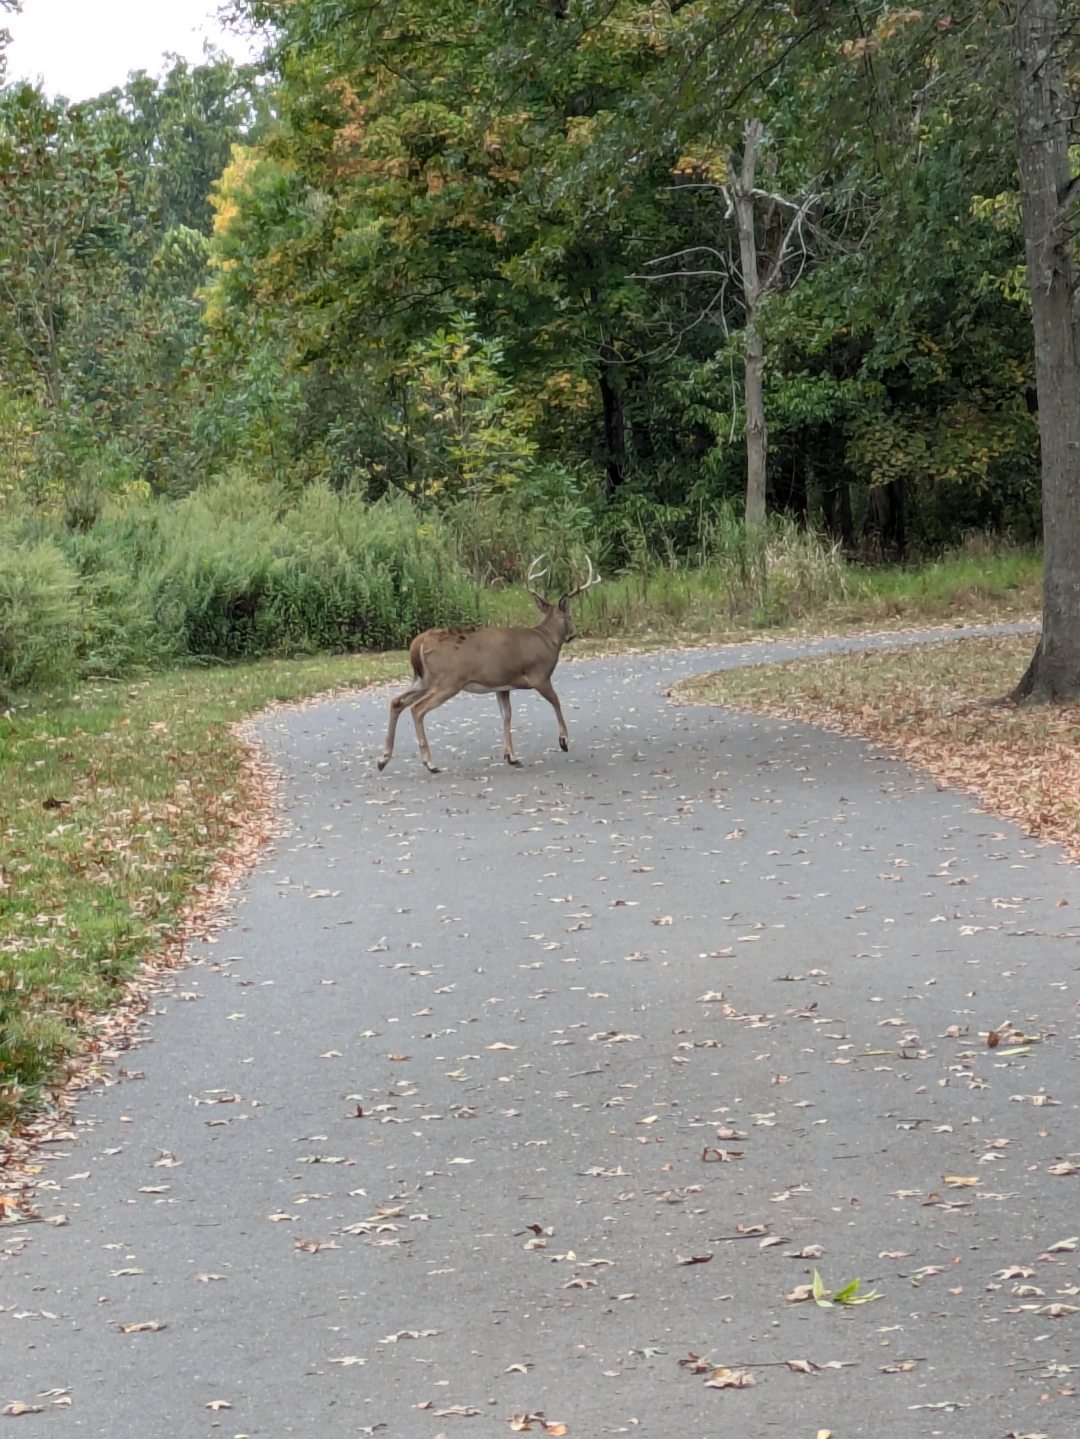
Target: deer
(488, 661)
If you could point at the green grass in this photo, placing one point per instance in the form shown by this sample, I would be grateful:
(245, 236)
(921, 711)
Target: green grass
(118, 800)
(794, 590)
(115, 803)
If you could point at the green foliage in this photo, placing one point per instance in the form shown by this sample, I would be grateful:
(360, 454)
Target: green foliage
(462, 434)
(235, 570)
(174, 135)
(40, 615)
(61, 231)
(485, 257)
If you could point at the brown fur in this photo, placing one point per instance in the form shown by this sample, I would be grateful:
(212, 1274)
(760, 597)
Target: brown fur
(445, 662)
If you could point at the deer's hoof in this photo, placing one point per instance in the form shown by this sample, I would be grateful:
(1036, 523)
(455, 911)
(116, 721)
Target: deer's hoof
(564, 745)
(383, 763)
(511, 760)
(431, 768)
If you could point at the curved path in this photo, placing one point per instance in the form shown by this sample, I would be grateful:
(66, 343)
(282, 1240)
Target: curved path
(423, 1150)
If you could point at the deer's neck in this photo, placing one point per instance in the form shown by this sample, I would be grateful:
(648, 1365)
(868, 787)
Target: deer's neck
(551, 633)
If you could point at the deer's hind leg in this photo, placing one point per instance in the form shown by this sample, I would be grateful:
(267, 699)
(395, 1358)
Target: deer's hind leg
(508, 742)
(400, 702)
(423, 705)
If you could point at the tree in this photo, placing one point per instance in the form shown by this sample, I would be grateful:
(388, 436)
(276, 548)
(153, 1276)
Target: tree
(174, 136)
(1040, 30)
(62, 231)
(757, 441)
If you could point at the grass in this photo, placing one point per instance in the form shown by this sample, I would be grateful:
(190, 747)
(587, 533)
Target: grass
(116, 803)
(930, 704)
(119, 802)
(797, 592)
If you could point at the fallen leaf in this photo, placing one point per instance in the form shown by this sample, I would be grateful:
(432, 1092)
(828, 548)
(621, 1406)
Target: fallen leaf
(692, 1259)
(149, 1326)
(347, 1361)
(730, 1379)
(217, 1404)
(17, 1407)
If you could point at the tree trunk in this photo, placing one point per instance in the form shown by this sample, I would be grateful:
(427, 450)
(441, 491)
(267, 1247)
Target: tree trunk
(756, 434)
(757, 439)
(884, 528)
(790, 493)
(614, 420)
(1042, 113)
(827, 462)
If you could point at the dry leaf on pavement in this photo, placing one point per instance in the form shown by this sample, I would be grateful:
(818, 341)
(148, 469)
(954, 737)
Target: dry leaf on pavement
(730, 1379)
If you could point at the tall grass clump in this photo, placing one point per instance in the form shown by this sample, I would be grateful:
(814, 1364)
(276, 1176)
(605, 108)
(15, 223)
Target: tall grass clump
(238, 570)
(41, 623)
(729, 578)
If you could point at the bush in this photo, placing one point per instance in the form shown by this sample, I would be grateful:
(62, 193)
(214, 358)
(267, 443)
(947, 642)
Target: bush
(40, 614)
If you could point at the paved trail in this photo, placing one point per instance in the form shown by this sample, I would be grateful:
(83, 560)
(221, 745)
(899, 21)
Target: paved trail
(516, 976)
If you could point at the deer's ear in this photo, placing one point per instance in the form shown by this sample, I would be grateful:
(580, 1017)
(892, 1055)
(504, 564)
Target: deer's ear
(541, 603)
(564, 604)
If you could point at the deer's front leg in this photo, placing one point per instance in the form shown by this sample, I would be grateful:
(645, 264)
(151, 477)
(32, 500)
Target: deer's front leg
(508, 742)
(547, 689)
(399, 703)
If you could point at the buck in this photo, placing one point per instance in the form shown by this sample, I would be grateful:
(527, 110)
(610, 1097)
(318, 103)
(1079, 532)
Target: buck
(488, 661)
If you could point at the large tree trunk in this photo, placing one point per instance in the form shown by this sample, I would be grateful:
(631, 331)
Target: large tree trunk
(1042, 111)
(757, 440)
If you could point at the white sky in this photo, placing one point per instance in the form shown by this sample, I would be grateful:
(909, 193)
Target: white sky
(82, 47)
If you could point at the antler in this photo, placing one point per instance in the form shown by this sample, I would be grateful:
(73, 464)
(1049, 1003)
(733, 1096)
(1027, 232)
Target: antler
(532, 576)
(592, 578)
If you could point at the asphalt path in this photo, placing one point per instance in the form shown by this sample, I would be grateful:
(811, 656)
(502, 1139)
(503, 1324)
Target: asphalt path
(425, 1140)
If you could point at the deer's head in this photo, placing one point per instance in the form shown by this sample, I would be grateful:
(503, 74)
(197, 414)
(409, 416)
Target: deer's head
(557, 621)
